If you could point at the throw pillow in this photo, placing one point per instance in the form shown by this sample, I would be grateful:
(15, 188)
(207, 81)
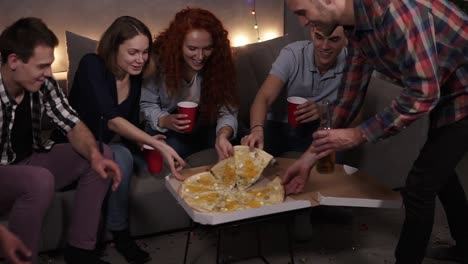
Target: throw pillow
(77, 47)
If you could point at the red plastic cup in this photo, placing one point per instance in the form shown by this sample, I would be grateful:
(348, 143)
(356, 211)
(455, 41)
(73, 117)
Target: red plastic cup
(153, 159)
(189, 109)
(293, 103)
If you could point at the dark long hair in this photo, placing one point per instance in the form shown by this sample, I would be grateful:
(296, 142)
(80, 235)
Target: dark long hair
(122, 29)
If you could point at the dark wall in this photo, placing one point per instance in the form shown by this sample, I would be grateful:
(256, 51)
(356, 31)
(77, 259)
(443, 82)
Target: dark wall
(293, 27)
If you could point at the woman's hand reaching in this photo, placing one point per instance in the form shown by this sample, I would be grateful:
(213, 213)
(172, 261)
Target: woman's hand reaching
(223, 147)
(173, 160)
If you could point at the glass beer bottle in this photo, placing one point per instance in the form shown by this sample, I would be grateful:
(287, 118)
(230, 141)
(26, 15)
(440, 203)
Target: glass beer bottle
(327, 163)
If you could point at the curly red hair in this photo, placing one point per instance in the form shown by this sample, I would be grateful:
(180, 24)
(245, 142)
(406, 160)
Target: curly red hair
(218, 87)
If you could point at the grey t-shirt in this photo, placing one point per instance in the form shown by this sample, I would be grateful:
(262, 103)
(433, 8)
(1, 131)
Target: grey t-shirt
(155, 102)
(296, 68)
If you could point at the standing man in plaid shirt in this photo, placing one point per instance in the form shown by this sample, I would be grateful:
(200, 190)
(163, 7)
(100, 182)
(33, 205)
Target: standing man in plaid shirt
(31, 169)
(424, 45)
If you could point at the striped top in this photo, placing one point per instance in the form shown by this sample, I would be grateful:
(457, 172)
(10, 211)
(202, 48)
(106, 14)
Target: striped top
(422, 44)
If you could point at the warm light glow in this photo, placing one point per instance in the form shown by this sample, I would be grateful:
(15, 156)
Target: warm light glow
(60, 75)
(270, 35)
(239, 40)
(60, 59)
(253, 12)
(256, 26)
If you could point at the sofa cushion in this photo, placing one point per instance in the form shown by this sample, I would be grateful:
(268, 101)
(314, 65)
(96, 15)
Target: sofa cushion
(253, 64)
(202, 158)
(152, 207)
(77, 47)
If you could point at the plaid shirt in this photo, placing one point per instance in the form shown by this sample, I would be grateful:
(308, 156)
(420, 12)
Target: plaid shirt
(422, 44)
(49, 99)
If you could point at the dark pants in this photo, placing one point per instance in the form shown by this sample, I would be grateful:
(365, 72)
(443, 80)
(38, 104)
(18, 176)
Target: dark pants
(433, 174)
(185, 144)
(27, 189)
(281, 137)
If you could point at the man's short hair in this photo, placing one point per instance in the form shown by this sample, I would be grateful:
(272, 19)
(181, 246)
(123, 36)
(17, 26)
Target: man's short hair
(23, 36)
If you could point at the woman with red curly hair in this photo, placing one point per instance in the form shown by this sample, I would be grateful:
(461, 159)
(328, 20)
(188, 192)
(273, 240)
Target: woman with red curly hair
(193, 62)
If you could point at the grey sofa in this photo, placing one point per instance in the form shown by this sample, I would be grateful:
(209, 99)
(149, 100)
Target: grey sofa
(154, 210)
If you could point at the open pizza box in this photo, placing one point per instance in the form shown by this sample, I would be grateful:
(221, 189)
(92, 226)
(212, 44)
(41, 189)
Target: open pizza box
(345, 187)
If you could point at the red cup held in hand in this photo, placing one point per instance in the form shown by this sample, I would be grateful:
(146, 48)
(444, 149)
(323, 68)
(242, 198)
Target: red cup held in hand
(153, 159)
(189, 109)
(293, 103)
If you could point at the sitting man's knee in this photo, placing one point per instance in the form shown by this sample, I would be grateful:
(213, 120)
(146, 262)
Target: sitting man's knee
(39, 185)
(107, 152)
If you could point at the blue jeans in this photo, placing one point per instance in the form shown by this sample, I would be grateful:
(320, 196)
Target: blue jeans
(201, 137)
(117, 203)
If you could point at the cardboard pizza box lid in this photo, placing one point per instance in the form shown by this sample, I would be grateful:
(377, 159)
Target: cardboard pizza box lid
(344, 187)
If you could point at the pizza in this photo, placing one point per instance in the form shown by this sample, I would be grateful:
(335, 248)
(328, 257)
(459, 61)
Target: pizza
(200, 183)
(204, 202)
(249, 165)
(272, 193)
(229, 185)
(225, 171)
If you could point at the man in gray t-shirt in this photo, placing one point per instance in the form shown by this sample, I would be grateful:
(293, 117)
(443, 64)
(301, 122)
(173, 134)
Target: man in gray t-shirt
(308, 69)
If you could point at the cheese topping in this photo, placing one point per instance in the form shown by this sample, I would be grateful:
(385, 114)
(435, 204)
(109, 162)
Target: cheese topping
(191, 188)
(215, 191)
(229, 174)
(207, 198)
(250, 171)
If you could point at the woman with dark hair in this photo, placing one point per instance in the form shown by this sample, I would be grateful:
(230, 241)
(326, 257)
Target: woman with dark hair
(193, 62)
(106, 93)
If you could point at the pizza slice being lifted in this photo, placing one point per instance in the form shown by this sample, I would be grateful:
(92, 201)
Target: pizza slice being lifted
(249, 165)
(225, 171)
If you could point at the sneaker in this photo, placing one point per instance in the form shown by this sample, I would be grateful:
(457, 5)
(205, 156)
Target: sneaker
(127, 247)
(448, 253)
(74, 255)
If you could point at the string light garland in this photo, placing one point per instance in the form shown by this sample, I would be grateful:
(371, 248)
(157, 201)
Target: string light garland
(254, 14)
